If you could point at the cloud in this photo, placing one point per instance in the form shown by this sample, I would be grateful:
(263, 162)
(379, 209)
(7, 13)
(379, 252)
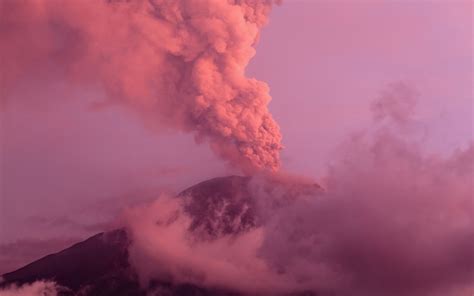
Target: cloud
(38, 288)
(392, 220)
(162, 248)
(177, 64)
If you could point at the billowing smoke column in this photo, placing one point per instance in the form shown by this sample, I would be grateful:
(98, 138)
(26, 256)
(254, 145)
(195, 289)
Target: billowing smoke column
(393, 220)
(177, 63)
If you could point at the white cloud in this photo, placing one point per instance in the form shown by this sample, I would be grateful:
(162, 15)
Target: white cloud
(38, 288)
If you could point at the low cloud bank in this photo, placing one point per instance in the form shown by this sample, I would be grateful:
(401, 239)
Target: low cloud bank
(38, 288)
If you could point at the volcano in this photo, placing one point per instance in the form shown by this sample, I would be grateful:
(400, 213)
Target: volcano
(99, 265)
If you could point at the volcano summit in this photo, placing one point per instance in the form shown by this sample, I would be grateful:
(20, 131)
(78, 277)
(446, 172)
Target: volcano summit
(100, 265)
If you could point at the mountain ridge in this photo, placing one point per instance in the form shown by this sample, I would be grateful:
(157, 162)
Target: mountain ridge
(100, 264)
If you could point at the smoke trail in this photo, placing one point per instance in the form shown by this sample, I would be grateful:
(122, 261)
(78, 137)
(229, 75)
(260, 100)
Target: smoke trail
(177, 63)
(392, 221)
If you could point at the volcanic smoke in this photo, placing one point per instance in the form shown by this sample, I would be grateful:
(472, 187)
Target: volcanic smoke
(392, 220)
(179, 64)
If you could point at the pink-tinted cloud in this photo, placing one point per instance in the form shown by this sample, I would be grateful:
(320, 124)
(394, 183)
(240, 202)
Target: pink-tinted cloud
(179, 64)
(391, 212)
(38, 288)
(329, 59)
(393, 220)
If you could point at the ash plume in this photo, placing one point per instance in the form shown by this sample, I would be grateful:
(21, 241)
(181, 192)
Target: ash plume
(178, 64)
(392, 220)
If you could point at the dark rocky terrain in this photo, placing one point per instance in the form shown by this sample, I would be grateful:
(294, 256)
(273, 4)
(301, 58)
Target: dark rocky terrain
(99, 265)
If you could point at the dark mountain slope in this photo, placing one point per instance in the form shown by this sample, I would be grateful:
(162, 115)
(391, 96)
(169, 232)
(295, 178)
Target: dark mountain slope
(99, 265)
(99, 261)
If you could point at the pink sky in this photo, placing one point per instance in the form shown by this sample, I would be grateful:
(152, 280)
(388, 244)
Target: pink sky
(324, 61)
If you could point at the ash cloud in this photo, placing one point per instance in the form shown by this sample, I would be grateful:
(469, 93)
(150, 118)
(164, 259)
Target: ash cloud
(392, 220)
(179, 64)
